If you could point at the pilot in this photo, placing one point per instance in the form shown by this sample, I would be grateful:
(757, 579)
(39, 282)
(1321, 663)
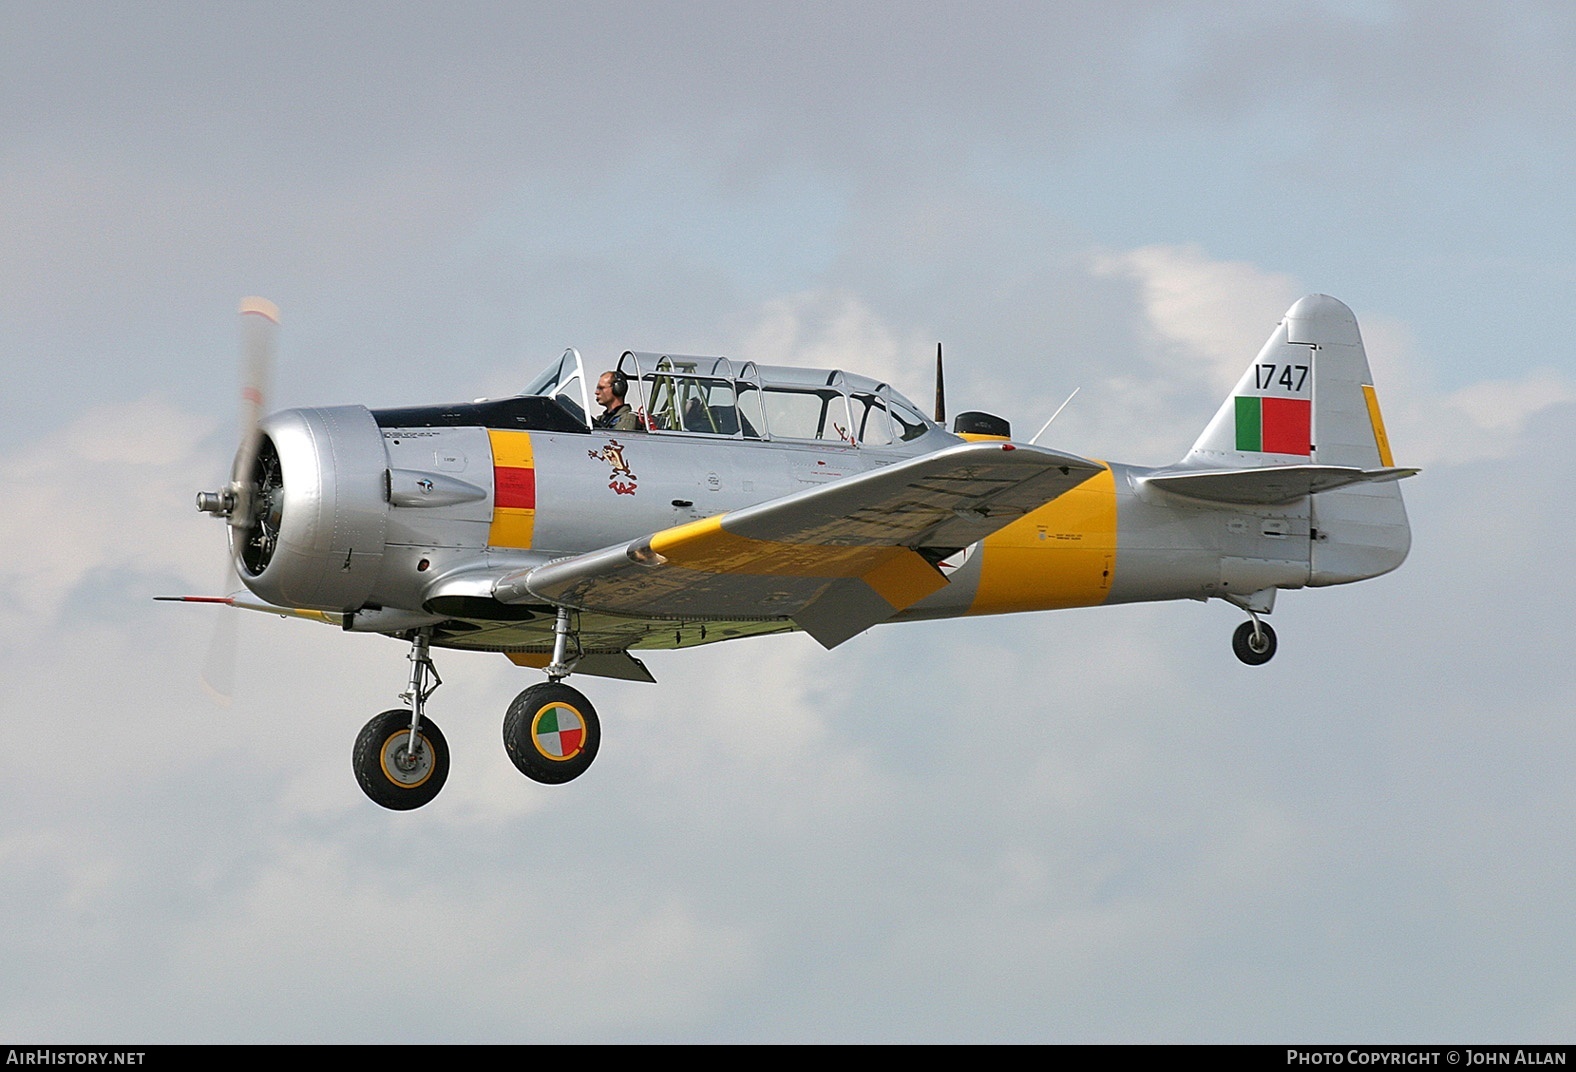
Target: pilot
(616, 414)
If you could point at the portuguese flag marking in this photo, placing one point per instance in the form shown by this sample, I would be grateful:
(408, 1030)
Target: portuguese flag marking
(1274, 425)
(560, 732)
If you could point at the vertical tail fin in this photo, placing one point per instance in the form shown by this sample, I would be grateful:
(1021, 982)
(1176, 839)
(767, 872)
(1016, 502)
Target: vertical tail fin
(1308, 399)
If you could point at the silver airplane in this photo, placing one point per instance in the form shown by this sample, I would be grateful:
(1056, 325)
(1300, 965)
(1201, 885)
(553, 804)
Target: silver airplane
(734, 499)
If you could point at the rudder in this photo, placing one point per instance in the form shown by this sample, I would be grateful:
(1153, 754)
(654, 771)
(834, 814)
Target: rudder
(1308, 399)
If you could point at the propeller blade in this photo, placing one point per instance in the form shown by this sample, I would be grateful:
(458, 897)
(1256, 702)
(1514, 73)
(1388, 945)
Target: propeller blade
(259, 332)
(259, 328)
(218, 669)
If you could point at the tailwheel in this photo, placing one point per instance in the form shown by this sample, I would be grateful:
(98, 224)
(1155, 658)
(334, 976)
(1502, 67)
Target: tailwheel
(551, 733)
(1254, 642)
(391, 772)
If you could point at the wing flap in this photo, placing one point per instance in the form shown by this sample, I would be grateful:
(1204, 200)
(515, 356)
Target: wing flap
(617, 664)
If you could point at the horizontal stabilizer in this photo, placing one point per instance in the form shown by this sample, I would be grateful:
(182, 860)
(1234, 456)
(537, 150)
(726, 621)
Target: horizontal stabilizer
(1270, 485)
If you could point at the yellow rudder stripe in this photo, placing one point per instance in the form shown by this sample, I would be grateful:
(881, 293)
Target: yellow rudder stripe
(1381, 440)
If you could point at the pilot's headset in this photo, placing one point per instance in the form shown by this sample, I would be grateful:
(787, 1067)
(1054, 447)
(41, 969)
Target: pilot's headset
(620, 385)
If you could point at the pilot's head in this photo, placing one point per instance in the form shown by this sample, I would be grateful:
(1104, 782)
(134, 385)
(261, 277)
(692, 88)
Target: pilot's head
(611, 389)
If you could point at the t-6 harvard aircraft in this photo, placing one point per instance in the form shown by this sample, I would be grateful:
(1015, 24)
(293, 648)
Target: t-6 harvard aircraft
(736, 499)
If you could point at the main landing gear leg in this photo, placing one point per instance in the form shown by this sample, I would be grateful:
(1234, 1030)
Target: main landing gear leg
(401, 758)
(560, 667)
(551, 731)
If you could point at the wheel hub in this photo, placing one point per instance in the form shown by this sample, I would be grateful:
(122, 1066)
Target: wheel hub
(403, 766)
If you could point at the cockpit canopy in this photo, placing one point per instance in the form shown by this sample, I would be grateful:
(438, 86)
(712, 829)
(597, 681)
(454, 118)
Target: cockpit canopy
(677, 394)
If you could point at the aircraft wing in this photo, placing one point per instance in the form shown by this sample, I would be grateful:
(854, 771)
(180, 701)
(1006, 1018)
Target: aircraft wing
(835, 559)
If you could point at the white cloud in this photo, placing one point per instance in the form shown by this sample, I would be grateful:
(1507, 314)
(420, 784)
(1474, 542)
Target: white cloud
(836, 329)
(1432, 427)
(1086, 825)
(1504, 406)
(555, 960)
(109, 493)
(1488, 419)
(1206, 317)
(1199, 322)
(984, 829)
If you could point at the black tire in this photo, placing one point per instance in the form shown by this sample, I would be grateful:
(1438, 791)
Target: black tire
(381, 746)
(1242, 642)
(551, 733)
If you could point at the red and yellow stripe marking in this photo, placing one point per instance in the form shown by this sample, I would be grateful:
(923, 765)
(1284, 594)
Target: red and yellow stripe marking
(514, 489)
(1061, 555)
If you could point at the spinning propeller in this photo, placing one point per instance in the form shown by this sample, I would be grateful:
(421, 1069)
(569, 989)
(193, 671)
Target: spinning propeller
(248, 501)
(237, 501)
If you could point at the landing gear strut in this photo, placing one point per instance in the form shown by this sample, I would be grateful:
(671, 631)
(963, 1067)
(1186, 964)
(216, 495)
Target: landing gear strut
(551, 731)
(1254, 642)
(401, 758)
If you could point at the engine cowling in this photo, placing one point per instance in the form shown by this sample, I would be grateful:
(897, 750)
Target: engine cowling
(316, 533)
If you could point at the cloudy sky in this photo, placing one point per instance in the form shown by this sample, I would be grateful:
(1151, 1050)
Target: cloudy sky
(1084, 826)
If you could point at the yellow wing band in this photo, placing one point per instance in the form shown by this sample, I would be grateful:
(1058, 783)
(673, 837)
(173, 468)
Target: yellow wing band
(899, 575)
